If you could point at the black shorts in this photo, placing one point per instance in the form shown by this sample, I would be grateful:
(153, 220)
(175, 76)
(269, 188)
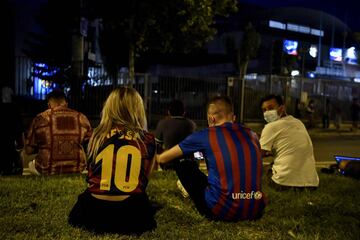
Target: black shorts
(133, 215)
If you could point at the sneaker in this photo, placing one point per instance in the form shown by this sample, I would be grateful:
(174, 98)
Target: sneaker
(184, 193)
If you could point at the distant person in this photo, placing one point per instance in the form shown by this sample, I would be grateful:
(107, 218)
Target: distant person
(310, 111)
(297, 112)
(121, 158)
(338, 117)
(287, 140)
(57, 136)
(7, 94)
(355, 110)
(326, 114)
(174, 128)
(232, 189)
(12, 131)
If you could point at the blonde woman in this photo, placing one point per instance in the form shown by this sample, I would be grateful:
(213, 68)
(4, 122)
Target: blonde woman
(121, 157)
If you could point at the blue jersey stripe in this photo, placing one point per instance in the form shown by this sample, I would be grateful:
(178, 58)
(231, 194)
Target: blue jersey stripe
(234, 168)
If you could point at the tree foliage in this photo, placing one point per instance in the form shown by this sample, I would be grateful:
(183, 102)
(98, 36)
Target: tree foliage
(52, 44)
(138, 26)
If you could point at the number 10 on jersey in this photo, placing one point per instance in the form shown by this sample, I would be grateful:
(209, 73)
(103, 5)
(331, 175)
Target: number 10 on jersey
(127, 161)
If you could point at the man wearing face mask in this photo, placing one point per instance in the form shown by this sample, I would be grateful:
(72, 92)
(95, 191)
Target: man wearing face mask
(287, 140)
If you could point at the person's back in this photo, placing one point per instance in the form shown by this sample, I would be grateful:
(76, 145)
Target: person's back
(140, 146)
(121, 158)
(234, 167)
(294, 163)
(174, 128)
(57, 136)
(287, 140)
(232, 189)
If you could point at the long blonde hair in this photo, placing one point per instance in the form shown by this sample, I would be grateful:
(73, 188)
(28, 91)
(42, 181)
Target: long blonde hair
(122, 109)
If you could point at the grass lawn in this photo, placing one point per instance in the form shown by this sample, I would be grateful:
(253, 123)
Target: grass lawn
(37, 208)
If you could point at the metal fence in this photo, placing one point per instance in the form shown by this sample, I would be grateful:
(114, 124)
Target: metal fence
(158, 91)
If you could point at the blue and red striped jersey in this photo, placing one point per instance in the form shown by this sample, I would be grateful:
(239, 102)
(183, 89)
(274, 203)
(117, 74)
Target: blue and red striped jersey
(234, 165)
(123, 164)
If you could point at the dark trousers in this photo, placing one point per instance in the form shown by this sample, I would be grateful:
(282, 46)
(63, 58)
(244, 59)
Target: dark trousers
(195, 182)
(278, 187)
(133, 215)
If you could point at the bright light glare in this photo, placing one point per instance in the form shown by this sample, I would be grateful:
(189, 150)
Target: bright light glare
(295, 73)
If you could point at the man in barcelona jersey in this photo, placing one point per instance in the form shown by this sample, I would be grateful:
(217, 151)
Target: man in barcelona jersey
(232, 189)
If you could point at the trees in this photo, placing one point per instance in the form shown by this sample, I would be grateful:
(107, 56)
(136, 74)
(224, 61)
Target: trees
(247, 49)
(140, 26)
(128, 31)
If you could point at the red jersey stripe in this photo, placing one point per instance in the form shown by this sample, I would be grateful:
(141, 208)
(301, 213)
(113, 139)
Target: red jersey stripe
(220, 166)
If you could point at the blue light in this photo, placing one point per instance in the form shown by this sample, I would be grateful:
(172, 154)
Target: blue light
(42, 85)
(290, 47)
(311, 75)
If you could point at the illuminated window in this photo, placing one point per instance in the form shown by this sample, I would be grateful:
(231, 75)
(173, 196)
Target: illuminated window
(290, 47)
(317, 32)
(276, 24)
(336, 54)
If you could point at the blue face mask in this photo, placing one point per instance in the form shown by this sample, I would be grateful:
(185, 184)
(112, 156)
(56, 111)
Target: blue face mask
(271, 115)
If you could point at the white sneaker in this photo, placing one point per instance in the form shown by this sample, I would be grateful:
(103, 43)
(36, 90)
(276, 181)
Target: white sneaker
(184, 193)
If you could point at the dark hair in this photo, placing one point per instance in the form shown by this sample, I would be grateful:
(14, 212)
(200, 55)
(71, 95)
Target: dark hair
(176, 108)
(56, 94)
(223, 99)
(277, 98)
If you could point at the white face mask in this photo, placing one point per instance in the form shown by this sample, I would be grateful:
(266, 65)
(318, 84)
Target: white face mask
(271, 115)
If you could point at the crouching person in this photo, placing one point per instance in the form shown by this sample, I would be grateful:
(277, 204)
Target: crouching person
(232, 189)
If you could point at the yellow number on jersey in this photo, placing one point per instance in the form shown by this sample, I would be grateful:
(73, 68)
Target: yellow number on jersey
(126, 157)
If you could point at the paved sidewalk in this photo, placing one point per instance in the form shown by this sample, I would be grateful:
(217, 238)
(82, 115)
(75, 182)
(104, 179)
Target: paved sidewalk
(317, 131)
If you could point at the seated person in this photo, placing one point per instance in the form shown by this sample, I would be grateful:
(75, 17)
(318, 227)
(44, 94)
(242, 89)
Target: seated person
(56, 137)
(121, 158)
(287, 140)
(348, 168)
(174, 128)
(232, 189)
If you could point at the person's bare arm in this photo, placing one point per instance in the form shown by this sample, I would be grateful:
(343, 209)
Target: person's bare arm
(170, 154)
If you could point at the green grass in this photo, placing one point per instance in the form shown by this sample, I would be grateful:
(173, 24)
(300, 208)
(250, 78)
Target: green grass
(37, 208)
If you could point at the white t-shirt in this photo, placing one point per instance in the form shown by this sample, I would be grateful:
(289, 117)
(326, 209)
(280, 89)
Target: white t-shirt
(290, 143)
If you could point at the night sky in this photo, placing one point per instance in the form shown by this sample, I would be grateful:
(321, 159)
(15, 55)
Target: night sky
(346, 10)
